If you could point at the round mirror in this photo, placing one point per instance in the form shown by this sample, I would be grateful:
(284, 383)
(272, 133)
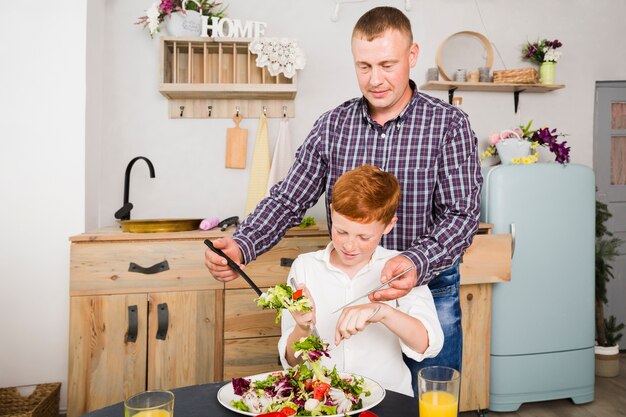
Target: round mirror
(464, 50)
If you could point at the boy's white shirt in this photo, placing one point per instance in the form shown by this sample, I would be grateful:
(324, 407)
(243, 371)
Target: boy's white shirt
(375, 352)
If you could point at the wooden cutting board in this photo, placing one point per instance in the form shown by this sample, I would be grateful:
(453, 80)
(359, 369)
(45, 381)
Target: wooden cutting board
(236, 145)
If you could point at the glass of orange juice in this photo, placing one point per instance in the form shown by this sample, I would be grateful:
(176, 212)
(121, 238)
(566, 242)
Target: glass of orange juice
(438, 391)
(150, 404)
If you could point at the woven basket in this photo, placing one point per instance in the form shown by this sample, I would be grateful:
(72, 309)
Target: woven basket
(520, 75)
(43, 402)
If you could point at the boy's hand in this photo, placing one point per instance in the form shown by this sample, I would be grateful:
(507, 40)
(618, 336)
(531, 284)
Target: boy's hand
(400, 287)
(354, 319)
(305, 321)
(217, 265)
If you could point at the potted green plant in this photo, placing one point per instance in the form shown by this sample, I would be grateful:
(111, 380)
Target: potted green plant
(607, 330)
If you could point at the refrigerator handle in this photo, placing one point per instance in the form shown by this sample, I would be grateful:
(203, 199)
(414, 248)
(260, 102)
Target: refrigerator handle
(512, 240)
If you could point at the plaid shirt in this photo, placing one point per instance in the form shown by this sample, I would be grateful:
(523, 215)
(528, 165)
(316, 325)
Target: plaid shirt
(429, 147)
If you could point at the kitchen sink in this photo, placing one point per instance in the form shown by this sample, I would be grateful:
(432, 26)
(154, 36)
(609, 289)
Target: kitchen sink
(159, 225)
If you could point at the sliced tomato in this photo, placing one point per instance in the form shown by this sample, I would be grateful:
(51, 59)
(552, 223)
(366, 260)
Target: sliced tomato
(320, 389)
(308, 385)
(297, 294)
(272, 414)
(367, 414)
(288, 411)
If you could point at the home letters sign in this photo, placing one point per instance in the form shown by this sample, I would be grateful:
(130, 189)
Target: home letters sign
(232, 28)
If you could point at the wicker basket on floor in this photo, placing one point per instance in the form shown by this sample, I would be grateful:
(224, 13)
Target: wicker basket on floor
(43, 402)
(520, 75)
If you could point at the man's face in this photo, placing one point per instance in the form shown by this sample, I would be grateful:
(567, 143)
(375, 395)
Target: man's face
(382, 68)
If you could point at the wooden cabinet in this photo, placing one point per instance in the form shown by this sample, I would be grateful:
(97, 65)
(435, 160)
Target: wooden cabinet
(485, 262)
(144, 314)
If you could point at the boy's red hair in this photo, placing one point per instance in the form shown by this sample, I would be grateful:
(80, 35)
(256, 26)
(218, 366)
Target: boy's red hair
(366, 194)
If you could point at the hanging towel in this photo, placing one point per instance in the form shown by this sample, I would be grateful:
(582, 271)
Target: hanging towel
(260, 168)
(283, 156)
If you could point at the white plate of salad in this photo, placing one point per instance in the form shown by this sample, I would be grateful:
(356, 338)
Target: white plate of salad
(278, 392)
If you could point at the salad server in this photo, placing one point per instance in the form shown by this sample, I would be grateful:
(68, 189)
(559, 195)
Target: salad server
(374, 289)
(234, 266)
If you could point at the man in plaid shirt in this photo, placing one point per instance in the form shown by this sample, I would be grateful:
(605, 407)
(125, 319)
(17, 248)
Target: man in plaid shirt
(426, 143)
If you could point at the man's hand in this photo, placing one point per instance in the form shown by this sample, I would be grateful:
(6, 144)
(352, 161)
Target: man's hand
(218, 267)
(401, 286)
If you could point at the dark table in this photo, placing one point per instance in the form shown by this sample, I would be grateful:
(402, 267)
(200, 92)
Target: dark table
(201, 401)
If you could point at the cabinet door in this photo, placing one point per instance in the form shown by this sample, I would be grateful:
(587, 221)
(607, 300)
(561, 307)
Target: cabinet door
(104, 366)
(190, 350)
(476, 309)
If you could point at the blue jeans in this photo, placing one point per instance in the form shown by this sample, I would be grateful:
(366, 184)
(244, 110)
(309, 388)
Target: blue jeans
(445, 290)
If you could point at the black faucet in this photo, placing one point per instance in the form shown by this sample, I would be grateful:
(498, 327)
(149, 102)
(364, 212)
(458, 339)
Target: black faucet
(124, 212)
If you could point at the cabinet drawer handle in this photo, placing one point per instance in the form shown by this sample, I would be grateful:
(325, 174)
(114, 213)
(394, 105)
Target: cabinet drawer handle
(133, 324)
(163, 321)
(286, 261)
(154, 269)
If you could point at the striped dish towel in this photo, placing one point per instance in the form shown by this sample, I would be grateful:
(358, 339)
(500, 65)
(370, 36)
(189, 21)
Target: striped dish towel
(260, 167)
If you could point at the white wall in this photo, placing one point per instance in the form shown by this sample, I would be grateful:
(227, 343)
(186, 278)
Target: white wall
(188, 155)
(42, 180)
(42, 92)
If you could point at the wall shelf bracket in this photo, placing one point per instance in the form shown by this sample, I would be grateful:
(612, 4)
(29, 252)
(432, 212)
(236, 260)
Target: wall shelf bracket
(516, 99)
(451, 94)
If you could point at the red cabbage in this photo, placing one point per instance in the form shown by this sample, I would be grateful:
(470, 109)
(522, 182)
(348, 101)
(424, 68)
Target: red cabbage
(240, 385)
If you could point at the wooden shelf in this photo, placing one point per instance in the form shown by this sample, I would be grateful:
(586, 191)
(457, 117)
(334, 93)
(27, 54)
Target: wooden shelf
(515, 88)
(206, 77)
(229, 91)
(490, 87)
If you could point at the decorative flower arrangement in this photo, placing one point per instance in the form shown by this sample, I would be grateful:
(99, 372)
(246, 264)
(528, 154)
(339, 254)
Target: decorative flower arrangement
(544, 136)
(156, 13)
(278, 55)
(542, 51)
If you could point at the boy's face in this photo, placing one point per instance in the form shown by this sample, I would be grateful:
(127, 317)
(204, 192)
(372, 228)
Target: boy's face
(355, 242)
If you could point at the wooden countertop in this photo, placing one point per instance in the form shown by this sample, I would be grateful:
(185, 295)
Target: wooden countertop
(114, 233)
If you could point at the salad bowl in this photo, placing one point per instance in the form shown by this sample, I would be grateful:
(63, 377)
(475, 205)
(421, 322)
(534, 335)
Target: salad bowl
(377, 393)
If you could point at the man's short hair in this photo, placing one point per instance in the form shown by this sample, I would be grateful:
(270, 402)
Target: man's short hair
(366, 194)
(379, 19)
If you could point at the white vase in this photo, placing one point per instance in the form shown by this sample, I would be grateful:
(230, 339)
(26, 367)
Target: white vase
(188, 24)
(511, 148)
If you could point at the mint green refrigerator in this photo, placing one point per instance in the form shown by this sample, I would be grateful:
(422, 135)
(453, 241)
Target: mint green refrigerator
(542, 333)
